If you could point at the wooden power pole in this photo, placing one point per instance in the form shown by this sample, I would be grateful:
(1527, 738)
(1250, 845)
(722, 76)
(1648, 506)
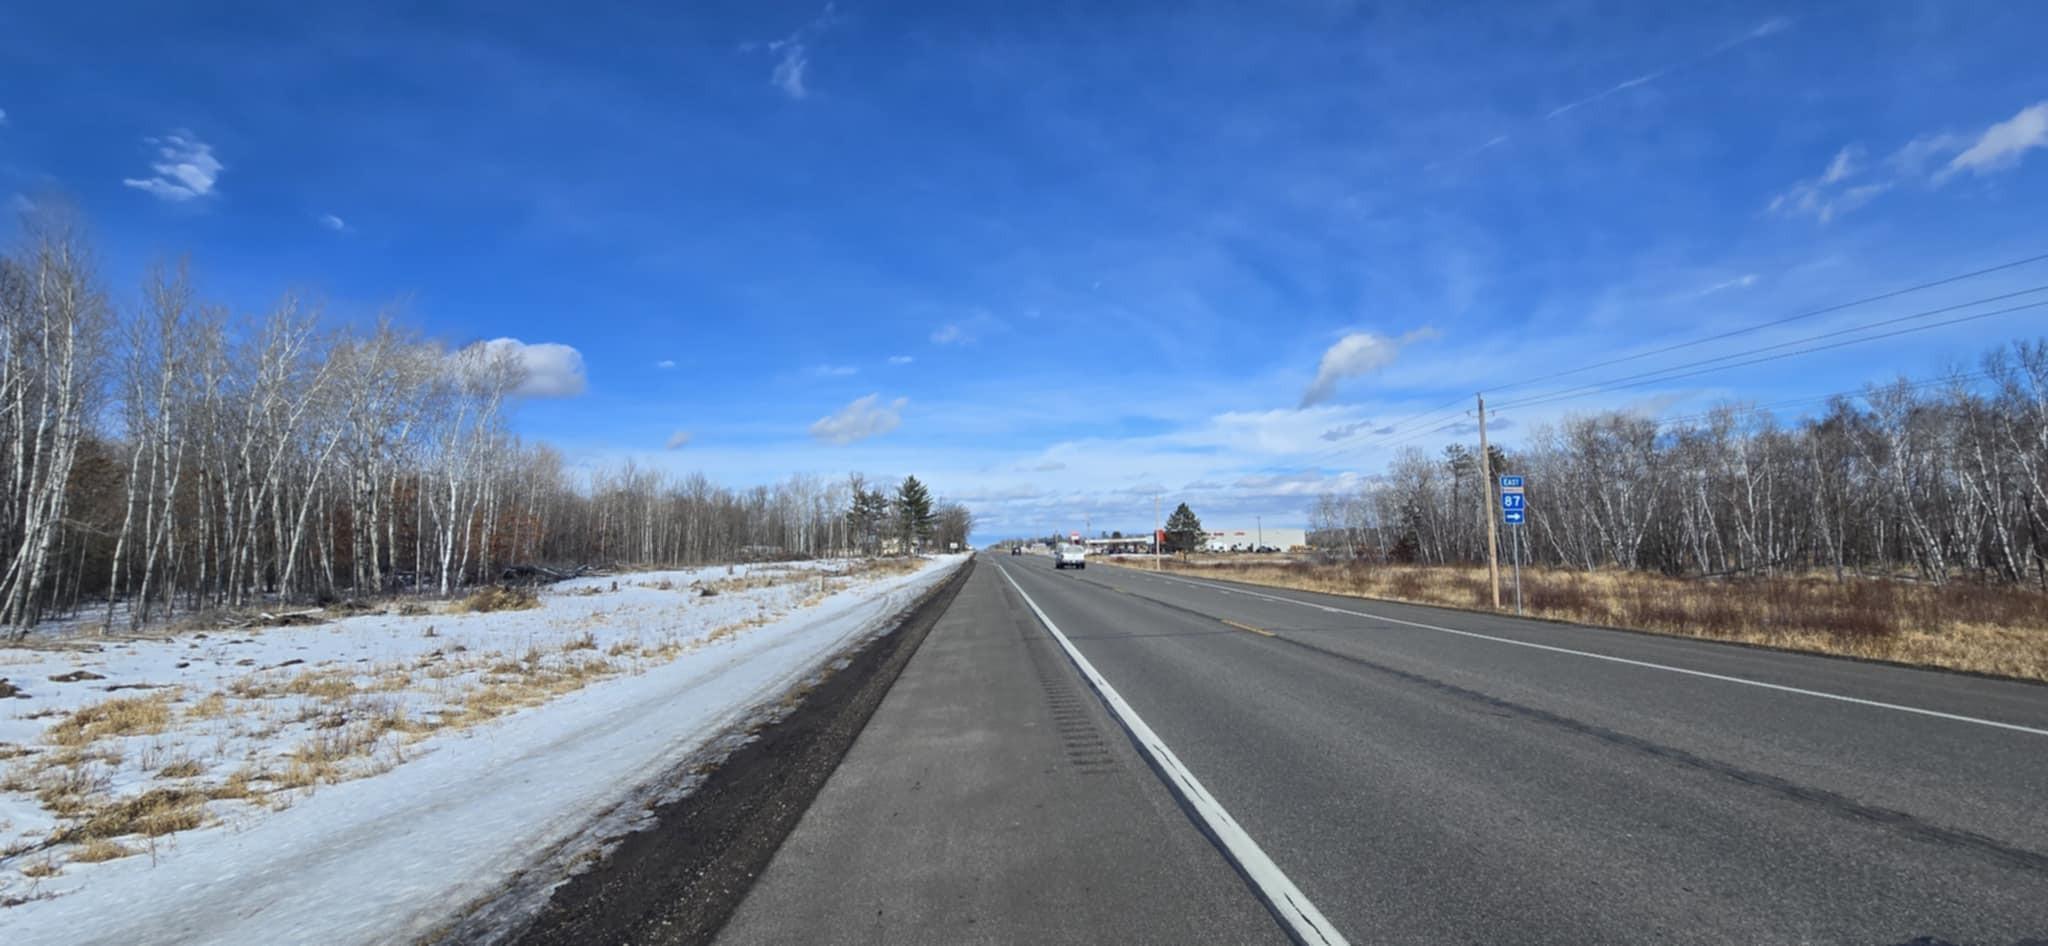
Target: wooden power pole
(1486, 512)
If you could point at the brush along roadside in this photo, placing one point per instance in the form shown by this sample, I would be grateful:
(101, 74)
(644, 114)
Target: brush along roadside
(1998, 630)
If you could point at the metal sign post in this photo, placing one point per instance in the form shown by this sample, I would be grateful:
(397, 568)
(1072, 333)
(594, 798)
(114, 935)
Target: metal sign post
(1514, 509)
(1518, 570)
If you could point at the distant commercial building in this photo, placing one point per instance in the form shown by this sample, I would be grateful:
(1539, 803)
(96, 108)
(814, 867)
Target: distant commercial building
(1248, 540)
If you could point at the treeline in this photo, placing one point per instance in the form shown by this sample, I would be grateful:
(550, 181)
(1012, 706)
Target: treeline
(1939, 481)
(173, 456)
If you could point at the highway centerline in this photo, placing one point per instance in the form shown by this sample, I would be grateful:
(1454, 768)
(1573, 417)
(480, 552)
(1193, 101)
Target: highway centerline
(1290, 906)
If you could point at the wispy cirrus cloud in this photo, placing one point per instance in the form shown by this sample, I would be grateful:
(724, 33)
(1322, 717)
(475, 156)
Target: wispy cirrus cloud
(677, 440)
(185, 168)
(900, 360)
(1743, 281)
(835, 371)
(793, 54)
(1760, 31)
(334, 223)
(1830, 194)
(864, 418)
(1766, 28)
(2001, 145)
(1851, 180)
(968, 330)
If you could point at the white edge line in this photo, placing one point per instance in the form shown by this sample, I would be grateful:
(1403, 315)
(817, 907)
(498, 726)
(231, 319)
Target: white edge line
(1286, 901)
(2015, 727)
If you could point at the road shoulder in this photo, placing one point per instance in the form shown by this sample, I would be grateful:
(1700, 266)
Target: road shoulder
(991, 799)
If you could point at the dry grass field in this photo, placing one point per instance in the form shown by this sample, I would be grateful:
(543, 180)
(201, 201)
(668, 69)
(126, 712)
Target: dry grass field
(1991, 629)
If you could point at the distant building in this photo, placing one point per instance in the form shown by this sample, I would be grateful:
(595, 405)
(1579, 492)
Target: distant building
(1249, 540)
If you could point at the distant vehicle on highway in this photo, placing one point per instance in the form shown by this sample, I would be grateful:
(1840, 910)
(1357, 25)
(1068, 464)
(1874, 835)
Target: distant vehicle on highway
(1016, 550)
(1070, 556)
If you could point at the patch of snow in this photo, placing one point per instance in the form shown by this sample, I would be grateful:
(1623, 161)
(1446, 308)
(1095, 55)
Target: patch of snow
(417, 830)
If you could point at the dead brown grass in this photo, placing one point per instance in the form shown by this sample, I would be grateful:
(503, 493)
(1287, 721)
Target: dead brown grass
(883, 567)
(37, 870)
(214, 706)
(499, 598)
(323, 684)
(158, 811)
(100, 849)
(1998, 630)
(516, 686)
(124, 716)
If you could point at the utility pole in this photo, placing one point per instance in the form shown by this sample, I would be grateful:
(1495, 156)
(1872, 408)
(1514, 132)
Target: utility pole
(1486, 506)
(1157, 565)
(1261, 530)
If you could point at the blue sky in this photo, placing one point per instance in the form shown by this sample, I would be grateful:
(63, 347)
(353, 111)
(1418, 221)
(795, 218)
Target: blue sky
(1054, 258)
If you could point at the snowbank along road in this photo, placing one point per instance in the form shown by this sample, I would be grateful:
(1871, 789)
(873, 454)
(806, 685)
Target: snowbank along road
(457, 814)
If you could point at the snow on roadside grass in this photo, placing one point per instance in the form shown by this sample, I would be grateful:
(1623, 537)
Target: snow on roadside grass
(114, 753)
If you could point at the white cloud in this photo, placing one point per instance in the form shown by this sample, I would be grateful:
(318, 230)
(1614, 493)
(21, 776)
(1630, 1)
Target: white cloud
(334, 223)
(1995, 149)
(1743, 281)
(793, 54)
(901, 359)
(1343, 431)
(1356, 355)
(1761, 30)
(2001, 145)
(1622, 86)
(835, 371)
(552, 370)
(865, 417)
(678, 439)
(3, 116)
(665, 363)
(185, 168)
(1828, 196)
(1844, 165)
(967, 331)
(789, 70)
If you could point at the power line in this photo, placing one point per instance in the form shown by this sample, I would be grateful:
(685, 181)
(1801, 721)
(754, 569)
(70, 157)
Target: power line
(1401, 426)
(1810, 313)
(1667, 373)
(1818, 398)
(1411, 433)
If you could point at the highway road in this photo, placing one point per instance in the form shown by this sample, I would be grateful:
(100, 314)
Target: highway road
(1273, 764)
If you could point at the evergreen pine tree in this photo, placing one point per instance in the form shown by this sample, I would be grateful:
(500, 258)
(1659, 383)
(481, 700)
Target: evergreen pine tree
(914, 516)
(1183, 531)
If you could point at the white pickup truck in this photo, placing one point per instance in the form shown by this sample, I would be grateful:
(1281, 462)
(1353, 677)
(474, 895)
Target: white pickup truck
(1070, 556)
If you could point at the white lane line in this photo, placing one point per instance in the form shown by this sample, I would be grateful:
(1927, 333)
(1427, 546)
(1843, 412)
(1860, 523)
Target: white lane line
(1292, 907)
(2015, 727)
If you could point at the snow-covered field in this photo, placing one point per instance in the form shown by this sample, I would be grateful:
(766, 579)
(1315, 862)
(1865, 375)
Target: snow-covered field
(367, 779)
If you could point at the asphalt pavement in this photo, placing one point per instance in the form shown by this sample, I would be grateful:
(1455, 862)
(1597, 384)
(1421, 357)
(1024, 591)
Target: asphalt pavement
(992, 799)
(1418, 775)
